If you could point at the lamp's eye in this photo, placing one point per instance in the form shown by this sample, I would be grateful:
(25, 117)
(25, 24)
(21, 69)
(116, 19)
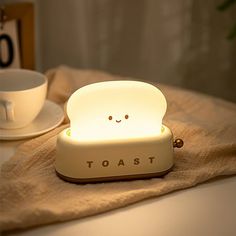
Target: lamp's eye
(126, 116)
(110, 117)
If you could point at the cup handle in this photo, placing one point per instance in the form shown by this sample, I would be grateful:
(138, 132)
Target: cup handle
(9, 110)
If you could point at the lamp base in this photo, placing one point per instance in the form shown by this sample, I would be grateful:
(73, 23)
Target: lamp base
(112, 178)
(111, 160)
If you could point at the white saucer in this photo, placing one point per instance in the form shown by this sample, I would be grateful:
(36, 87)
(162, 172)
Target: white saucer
(49, 118)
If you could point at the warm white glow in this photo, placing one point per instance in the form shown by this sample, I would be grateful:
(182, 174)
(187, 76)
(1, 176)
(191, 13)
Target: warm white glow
(116, 110)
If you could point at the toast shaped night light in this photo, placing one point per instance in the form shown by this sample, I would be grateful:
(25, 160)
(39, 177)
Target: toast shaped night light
(116, 133)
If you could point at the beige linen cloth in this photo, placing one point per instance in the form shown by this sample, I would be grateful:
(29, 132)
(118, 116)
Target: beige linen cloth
(31, 194)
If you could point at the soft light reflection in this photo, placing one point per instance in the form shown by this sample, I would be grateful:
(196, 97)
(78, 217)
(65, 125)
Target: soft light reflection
(116, 110)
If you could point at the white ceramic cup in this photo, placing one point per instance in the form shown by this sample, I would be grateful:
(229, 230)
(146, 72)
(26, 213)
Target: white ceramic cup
(22, 96)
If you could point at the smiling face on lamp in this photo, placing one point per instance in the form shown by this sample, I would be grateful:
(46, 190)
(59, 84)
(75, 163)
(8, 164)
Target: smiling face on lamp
(116, 110)
(119, 120)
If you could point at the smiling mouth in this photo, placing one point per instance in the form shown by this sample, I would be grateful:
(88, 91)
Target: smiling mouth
(118, 121)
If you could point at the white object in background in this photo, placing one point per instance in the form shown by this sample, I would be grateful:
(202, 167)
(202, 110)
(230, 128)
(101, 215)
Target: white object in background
(22, 96)
(9, 45)
(116, 133)
(49, 118)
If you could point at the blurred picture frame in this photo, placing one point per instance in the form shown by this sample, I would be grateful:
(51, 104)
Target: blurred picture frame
(18, 21)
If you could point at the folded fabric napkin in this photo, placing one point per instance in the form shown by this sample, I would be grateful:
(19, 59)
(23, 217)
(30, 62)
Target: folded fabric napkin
(31, 194)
